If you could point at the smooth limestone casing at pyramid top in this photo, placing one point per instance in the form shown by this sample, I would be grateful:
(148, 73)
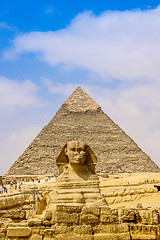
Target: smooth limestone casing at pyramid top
(81, 118)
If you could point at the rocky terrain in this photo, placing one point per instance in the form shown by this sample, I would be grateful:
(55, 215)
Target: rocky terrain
(133, 211)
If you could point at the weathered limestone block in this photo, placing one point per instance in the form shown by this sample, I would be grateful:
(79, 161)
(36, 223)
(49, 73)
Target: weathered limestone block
(34, 222)
(73, 237)
(47, 223)
(90, 214)
(142, 232)
(2, 236)
(12, 201)
(68, 208)
(147, 216)
(67, 214)
(18, 214)
(155, 217)
(127, 215)
(13, 214)
(2, 203)
(48, 238)
(62, 229)
(111, 228)
(70, 230)
(67, 218)
(112, 231)
(36, 237)
(143, 237)
(122, 236)
(64, 232)
(2, 230)
(4, 214)
(35, 230)
(18, 231)
(17, 224)
(91, 209)
(108, 215)
(83, 230)
(49, 233)
(48, 215)
(89, 219)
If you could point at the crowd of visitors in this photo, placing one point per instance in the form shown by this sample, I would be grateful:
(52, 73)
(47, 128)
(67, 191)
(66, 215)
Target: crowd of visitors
(3, 189)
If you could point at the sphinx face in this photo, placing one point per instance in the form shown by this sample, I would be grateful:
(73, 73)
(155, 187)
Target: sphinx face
(76, 152)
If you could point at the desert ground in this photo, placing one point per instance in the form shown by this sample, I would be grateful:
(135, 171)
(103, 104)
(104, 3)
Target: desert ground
(120, 190)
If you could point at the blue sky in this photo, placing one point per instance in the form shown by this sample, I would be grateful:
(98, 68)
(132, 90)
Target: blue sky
(48, 48)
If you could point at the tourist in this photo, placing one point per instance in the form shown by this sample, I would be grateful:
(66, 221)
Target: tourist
(19, 186)
(4, 189)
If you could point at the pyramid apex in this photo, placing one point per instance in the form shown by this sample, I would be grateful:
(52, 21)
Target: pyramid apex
(79, 88)
(80, 101)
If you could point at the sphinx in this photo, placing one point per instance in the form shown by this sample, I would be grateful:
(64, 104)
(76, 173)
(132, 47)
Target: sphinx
(77, 183)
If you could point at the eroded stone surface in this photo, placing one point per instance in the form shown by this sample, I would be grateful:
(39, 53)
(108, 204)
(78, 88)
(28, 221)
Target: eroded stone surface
(87, 222)
(18, 232)
(36, 237)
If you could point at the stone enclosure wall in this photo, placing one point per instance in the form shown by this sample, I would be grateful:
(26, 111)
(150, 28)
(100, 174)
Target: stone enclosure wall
(88, 222)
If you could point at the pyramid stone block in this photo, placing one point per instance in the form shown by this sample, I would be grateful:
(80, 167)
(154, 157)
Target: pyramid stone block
(81, 118)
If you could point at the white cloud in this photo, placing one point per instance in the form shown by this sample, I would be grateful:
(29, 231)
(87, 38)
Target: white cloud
(59, 88)
(8, 27)
(13, 145)
(21, 117)
(123, 45)
(17, 94)
(4, 25)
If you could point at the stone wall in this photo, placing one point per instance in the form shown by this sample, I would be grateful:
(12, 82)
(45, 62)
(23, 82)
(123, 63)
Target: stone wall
(19, 205)
(89, 222)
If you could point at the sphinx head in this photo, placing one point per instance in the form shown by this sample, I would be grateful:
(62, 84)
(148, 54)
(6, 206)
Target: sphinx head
(76, 153)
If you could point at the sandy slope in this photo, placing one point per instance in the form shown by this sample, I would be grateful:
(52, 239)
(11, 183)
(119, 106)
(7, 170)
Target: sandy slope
(134, 180)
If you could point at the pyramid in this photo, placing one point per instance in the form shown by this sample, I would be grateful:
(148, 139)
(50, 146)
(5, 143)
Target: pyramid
(81, 118)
